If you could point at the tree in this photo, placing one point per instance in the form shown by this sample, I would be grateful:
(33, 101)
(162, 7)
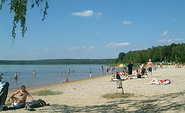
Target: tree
(19, 10)
(168, 53)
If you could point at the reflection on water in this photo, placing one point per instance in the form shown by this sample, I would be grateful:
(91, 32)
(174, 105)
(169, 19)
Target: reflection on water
(46, 74)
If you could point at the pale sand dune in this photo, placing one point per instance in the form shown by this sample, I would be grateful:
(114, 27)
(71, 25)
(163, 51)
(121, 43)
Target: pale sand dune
(86, 95)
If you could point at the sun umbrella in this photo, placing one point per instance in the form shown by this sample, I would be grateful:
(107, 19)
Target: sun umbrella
(121, 65)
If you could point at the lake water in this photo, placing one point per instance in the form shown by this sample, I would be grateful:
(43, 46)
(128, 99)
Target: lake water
(46, 74)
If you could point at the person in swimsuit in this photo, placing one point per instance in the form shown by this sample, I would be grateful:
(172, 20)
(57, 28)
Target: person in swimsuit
(160, 82)
(21, 101)
(150, 65)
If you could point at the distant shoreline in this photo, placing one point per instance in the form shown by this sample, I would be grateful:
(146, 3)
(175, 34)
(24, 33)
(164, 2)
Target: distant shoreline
(56, 61)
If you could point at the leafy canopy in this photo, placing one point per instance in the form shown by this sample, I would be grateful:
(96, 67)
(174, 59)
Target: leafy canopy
(19, 8)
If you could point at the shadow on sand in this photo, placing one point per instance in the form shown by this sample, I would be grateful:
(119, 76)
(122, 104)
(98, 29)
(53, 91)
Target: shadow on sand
(173, 102)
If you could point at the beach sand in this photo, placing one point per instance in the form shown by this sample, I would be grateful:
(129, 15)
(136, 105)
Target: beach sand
(86, 95)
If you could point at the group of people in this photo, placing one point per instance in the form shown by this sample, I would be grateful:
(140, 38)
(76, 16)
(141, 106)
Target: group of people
(140, 71)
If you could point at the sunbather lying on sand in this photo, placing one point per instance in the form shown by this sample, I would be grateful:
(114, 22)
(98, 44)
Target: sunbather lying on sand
(160, 82)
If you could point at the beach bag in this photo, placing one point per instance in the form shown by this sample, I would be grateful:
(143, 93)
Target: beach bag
(139, 76)
(35, 104)
(3, 92)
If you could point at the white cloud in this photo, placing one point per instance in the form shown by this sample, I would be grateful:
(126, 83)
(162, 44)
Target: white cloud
(170, 40)
(87, 13)
(81, 48)
(164, 33)
(127, 22)
(111, 44)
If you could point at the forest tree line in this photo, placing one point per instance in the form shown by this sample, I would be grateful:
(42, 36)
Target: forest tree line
(55, 61)
(167, 53)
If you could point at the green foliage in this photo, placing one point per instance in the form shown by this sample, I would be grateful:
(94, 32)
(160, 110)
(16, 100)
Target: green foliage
(57, 61)
(117, 95)
(167, 53)
(19, 10)
(46, 93)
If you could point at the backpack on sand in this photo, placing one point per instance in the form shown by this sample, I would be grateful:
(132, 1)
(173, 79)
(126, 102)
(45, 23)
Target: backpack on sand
(35, 104)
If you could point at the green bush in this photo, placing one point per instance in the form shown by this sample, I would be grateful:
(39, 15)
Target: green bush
(46, 92)
(117, 95)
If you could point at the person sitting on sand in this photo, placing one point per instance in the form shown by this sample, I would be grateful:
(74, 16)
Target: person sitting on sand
(138, 74)
(21, 101)
(160, 82)
(65, 79)
(116, 77)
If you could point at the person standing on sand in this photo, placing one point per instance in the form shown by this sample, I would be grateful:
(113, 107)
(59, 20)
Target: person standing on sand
(150, 65)
(129, 68)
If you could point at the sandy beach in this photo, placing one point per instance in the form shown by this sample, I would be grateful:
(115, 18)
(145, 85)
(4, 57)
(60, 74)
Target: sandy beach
(86, 95)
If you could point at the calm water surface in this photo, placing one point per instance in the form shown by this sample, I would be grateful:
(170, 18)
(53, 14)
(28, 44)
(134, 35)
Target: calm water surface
(46, 74)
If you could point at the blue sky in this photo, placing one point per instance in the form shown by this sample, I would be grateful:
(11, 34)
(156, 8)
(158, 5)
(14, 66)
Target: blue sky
(93, 29)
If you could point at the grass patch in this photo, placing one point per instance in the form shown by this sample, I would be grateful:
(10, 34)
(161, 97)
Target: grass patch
(46, 93)
(117, 95)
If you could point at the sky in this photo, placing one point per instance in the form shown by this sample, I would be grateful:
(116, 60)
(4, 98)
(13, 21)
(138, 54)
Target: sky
(92, 29)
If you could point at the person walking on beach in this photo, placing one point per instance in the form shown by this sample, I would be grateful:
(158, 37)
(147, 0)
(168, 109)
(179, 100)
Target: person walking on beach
(150, 65)
(129, 68)
(21, 101)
